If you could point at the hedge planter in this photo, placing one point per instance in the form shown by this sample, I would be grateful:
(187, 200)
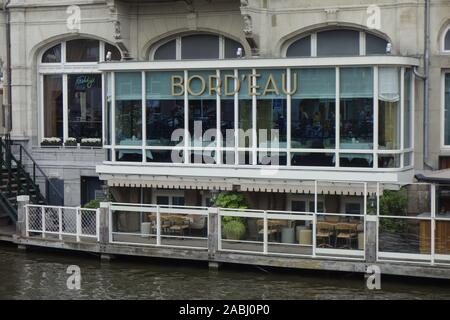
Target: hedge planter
(51, 142)
(92, 143)
(71, 142)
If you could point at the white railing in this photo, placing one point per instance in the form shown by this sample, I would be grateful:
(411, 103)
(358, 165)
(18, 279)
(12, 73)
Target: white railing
(158, 225)
(301, 234)
(62, 222)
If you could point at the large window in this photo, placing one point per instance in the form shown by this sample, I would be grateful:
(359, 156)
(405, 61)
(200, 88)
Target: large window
(197, 46)
(85, 105)
(447, 109)
(389, 108)
(53, 101)
(164, 111)
(323, 117)
(337, 42)
(72, 87)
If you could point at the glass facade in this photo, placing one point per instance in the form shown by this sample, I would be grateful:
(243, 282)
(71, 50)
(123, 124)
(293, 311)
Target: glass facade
(300, 117)
(447, 109)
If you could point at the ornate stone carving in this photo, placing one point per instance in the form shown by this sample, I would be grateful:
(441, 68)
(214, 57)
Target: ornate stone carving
(117, 31)
(248, 27)
(244, 3)
(331, 14)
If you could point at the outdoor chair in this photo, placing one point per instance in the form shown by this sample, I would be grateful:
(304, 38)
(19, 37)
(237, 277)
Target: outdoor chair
(346, 232)
(325, 232)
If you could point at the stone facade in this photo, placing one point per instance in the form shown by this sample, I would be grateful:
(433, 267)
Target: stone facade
(136, 26)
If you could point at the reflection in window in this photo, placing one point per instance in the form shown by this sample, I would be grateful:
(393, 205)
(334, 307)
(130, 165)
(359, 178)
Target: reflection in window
(245, 116)
(447, 109)
(389, 108)
(108, 105)
(83, 50)
(313, 159)
(227, 109)
(85, 105)
(338, 43)
(375, 45)
(202, 109)
(53, 106)
(447, 41)
(203, 46)
(52, 55)
(356, 160)
(167, 51)
(389, 161)
(300, 48)
(313, 109)
(408, 109)
(231, 48)
(115, 53)
(165, 112)
(356, 108)
(128, 109)
(271, 110)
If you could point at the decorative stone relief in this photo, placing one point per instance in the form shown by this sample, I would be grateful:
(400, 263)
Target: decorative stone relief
(248, 27)
(331, 14)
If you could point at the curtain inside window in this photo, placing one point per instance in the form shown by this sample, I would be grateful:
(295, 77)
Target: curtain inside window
(315, 83)
(356, 83)
(389, 84)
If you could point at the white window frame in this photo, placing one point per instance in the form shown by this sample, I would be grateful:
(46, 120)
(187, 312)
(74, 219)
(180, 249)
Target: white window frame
(64, 69)
(285, 64)
(443, 145)
(362, 42)
(178, 45)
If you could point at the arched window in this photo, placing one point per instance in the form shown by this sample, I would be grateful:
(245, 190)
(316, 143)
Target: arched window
(72, 85)
(446, 39)
(337, 42)
(197, 46)
(81, 50)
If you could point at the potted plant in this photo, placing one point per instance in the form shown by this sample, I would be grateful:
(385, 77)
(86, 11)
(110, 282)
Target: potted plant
(51, 142)
(70, 142)
(91, 142)
(233, 227)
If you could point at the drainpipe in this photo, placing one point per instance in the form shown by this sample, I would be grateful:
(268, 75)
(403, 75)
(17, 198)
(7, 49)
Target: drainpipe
(8, 65)
(426, 85)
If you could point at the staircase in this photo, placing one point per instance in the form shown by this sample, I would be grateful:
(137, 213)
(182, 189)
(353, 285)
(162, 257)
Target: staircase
(15, 180)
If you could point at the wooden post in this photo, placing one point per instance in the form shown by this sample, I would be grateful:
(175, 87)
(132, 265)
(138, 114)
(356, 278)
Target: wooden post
(21, 225)
(370, 247)
(213, 226)
(104, 230)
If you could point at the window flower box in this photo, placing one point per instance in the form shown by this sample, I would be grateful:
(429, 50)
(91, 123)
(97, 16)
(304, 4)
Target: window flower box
(71, 142)
(91, 142)
(51, 142)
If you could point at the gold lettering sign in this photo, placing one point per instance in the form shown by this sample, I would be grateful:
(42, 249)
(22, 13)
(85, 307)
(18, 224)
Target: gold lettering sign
(177, 82)
(215, 86)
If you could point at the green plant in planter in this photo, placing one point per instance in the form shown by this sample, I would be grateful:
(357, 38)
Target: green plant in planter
(233, 227)
(70, 142)
(393, 203)
(93, 204)
(51, 142)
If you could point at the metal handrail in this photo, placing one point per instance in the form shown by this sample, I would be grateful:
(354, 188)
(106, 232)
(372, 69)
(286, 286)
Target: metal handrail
(8, 143)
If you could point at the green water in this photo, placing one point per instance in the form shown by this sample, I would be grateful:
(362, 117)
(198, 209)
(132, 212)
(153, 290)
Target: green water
(42, 275)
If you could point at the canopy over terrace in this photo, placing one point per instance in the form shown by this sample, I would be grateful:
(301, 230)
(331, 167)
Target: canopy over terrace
(246, 185)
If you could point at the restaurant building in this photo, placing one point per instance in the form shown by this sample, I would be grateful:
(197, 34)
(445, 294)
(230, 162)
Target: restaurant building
(299, 105)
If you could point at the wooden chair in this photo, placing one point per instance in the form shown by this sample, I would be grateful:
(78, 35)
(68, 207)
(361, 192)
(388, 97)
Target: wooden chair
(346, 232)
(179, 225)
(325, 232)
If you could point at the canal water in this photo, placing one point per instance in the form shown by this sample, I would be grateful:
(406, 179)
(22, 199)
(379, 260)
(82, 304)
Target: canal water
(42, 275)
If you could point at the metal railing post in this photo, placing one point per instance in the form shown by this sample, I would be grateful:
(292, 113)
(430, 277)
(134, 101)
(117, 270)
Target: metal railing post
(60, 223)
(43, 221)
(78, 223)
(158, 226)
(265, 233)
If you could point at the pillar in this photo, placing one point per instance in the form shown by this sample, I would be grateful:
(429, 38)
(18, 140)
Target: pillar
(104, 232)
(21, 228)
(213, 237)
(371, 239)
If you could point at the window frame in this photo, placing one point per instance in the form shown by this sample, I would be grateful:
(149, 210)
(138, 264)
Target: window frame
(178, 46)
(287, 65)
(313, 35)
(446, 32)
(65, 69)
(168, 193)
(445, 147)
